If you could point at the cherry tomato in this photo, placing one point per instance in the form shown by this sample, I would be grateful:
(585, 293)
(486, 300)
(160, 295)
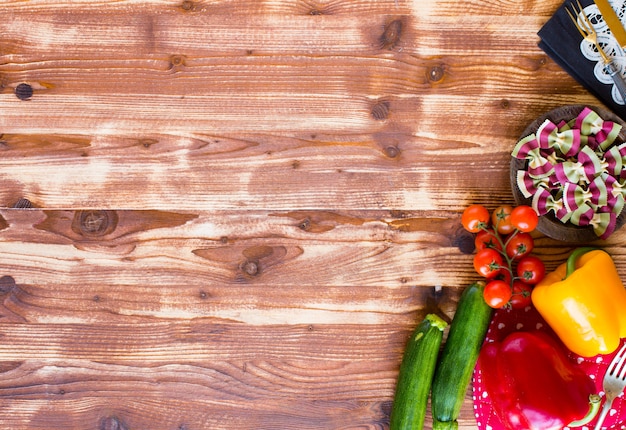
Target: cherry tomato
(497, 293)
(486, 239)
(524, 218)
(501, 219)
(475, 218)
(488, 262)
(505, 275)
(520, 298)
(530, 269)
(519, 245)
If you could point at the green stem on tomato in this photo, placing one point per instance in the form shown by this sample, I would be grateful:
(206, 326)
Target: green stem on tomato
(502, 249)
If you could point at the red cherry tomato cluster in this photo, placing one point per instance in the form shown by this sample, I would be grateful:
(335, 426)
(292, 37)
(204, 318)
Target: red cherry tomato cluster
(503, 253)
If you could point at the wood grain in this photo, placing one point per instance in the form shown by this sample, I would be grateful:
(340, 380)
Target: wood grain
(231, 214)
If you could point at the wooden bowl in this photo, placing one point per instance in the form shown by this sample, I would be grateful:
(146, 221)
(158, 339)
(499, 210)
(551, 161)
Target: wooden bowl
(549, 225)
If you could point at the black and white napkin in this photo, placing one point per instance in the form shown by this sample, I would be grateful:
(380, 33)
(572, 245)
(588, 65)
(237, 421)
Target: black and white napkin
(561, 41)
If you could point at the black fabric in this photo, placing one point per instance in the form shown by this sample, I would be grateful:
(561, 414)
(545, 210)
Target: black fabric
(560, 40)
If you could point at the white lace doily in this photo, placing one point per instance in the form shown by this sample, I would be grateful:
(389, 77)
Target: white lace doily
(608, 43)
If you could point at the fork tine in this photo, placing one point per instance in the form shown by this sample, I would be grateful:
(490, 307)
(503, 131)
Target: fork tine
(585, 24)
(622, 374)
(582, 27)
(575, 21)
(621, 366)
(616, 365)
(586, 20)
(585, 28)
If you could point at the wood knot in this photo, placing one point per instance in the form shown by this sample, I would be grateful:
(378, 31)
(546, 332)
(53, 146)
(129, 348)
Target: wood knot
(392, 151)
(7, 284)
(250, 267)
(464, 240)
(436, 73)
(112, 423)
(94, 223)
(305, 224)
(23, 91)
(147, 142)
(391, 35)
(380, 111)
(177, 61)
(188, 6)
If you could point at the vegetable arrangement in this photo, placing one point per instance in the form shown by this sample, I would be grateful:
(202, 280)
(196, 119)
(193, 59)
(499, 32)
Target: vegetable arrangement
(503, 253)
(583, 302)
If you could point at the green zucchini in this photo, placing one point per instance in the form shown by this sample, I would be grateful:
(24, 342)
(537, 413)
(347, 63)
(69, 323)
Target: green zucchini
(458, 358)
(416, 374)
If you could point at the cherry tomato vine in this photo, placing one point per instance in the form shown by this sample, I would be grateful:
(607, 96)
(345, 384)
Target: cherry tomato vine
(503, 253)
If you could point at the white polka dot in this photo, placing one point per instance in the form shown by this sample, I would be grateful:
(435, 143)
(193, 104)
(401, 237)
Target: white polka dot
(539, 325)
(599, 360)
(519, 326)
(501, 326)
(580, 360)
(612, 412)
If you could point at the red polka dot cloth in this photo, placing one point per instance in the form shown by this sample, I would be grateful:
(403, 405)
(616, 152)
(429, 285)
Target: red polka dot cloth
(506, 321)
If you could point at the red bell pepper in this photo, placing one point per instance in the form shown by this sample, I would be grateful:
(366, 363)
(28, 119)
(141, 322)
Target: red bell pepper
(533, 385)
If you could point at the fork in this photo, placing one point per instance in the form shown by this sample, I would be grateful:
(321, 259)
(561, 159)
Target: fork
(614, 383)
(589, 34)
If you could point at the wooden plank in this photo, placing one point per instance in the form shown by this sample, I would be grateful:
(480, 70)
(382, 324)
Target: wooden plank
(498, 8)
(217, 7)
(161, 172)
(107, 78)
(209, 371)
(143, 264)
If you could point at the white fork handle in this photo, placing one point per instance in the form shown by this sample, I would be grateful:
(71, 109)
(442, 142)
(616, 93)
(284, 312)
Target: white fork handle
(605, 410)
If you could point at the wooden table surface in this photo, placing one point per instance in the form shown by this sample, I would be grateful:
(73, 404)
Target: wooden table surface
(230, 214)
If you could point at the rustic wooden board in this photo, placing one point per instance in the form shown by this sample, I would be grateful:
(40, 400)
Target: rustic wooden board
(231, 214)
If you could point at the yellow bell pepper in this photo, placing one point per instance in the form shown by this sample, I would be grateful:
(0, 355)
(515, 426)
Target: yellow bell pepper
(584, 302)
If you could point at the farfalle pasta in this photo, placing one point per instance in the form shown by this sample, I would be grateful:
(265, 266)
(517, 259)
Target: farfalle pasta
(575, 170)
